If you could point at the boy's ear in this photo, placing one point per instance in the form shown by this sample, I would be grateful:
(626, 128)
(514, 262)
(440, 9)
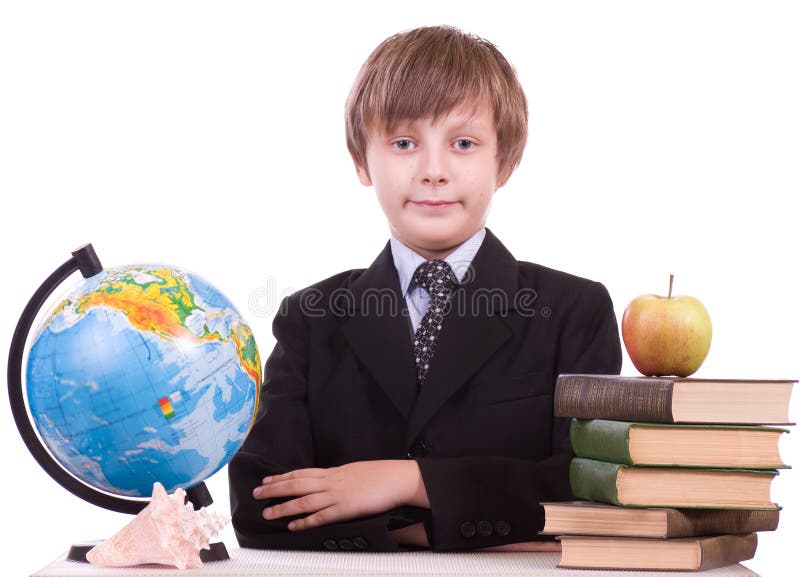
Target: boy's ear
(363, 174)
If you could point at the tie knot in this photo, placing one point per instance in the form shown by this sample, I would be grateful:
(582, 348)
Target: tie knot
(436, 277)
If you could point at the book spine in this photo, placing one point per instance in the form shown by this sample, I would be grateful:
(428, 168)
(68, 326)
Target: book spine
(697, 522)
(614, 398)
(601, 440)
(726, 550)
(594, 480)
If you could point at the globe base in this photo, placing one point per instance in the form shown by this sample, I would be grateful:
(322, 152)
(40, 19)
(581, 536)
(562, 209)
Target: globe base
(78, 551)
(216, 552)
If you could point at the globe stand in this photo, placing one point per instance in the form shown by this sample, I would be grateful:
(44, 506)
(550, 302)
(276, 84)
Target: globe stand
(217, 552)
(198, 496)
(85, 260)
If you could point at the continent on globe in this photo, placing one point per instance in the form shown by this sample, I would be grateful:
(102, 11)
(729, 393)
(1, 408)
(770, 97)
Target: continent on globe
(143, 374)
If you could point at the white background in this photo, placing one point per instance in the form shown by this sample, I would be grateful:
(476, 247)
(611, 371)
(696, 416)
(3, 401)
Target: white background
(664, 139)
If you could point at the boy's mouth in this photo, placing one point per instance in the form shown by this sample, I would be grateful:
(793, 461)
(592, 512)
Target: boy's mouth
(433, 203)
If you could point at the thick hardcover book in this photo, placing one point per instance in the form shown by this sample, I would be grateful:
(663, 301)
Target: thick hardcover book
(673, 400)
(678, 487)
(727, 446)
(694, 554)
(592, 518)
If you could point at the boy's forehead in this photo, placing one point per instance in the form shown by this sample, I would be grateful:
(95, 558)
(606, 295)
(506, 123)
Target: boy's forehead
(467, 115)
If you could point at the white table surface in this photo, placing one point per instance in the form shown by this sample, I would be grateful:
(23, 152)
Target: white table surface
(251, 562)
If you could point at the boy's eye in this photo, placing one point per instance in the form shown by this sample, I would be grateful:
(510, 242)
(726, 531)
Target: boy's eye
(403, 144)
(464, 144)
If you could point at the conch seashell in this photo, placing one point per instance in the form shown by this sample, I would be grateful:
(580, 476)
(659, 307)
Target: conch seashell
(167, 531)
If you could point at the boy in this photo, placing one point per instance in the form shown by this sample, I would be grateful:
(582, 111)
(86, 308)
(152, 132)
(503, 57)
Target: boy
(411, 403)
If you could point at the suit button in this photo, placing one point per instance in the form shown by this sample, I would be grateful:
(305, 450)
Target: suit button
(502, 528)
(468, 529)
(330, 545)
(419, 449)
(346, 545)
(485, 528)
(360, 542)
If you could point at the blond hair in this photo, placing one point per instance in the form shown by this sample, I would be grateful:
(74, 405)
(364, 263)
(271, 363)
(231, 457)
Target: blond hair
(428, 72)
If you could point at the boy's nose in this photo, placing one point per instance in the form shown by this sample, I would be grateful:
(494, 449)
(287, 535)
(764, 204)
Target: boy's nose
(434, 169)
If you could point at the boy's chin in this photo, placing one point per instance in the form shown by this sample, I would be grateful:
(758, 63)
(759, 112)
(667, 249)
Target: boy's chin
(437, 241)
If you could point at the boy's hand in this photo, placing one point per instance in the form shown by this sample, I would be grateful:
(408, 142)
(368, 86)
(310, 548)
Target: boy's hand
(341, 493)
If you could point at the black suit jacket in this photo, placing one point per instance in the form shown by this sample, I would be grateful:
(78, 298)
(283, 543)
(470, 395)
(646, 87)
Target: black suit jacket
(340, 386)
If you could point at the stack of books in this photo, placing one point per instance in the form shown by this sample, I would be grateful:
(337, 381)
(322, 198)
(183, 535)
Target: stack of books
(675, 473)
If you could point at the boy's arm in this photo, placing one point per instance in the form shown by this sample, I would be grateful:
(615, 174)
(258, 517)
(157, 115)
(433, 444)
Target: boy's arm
(487, 501)
(281, 441)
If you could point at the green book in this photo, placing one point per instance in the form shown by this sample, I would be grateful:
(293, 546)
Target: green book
(682, 487)
(655, 444)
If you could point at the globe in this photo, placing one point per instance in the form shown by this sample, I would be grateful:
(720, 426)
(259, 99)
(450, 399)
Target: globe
(143, 373)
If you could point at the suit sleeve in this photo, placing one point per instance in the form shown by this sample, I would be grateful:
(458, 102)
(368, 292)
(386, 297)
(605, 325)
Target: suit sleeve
(487, 501)
(280, 441)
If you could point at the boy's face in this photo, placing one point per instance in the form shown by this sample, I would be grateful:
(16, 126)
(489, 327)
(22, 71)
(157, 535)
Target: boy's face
(434, 181)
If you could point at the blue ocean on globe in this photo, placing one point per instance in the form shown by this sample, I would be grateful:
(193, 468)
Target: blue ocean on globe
(143, 374)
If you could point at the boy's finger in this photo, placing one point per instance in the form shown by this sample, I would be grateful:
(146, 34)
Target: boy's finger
(324, 517)
(296, 474)
(290, 488)
(306, 504)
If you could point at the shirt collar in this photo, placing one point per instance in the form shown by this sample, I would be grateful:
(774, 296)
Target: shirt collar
(406, 260)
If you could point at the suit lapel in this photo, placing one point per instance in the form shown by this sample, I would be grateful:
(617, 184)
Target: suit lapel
(473, 329)
(379, 331)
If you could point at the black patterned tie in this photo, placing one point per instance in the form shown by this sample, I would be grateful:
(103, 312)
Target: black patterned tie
(436, 277)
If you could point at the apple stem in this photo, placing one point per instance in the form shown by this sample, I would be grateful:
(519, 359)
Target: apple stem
(669, 295)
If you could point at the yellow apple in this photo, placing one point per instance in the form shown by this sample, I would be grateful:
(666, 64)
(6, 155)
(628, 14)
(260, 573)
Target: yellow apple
(666, 335)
